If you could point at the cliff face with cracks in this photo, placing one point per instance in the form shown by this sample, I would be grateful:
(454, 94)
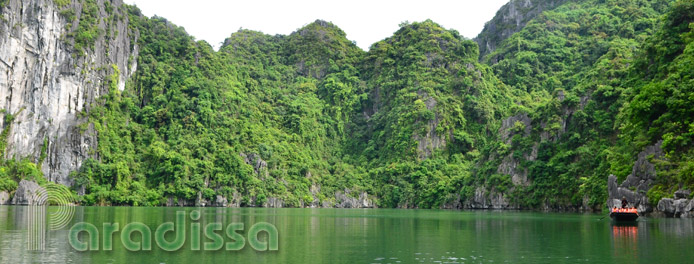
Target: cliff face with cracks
(516, 167)
(45, 82)
(510, 19)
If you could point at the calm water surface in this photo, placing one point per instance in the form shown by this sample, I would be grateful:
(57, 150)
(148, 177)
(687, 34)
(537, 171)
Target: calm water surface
(376, 236)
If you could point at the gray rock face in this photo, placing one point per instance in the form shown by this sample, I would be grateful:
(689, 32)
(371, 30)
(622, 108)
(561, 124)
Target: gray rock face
(259, 165)
(27, 193)
(430, 141)
(678, 207)
(315, 190)
(220, 201)
(509, 165)
(635, 199)
(555, 134)
(327, 204)
(666, 206)
(643, 172)
(46, 86)
(185, 203)
(4, 198)
(614, 202)
(235, 200)
(506, 131)
(484, 199)
(688, 209)
(343, 200)
(510, 19)
(200, 202)
(522, 124)
(274, 202)
(637, 184)
(682, 194)
(674, 207)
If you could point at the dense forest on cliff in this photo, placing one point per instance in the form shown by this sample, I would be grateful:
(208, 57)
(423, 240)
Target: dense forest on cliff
(421, 120)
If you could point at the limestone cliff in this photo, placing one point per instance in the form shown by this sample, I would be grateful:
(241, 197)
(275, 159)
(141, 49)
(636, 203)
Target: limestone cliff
(510, 19)
(49, 74)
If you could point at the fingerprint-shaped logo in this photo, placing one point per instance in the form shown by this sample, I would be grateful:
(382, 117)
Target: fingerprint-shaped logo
(61, 211)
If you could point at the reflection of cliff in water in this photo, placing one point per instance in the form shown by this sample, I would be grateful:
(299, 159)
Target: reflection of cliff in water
(14, 239)
(679, 227)
(629, 241)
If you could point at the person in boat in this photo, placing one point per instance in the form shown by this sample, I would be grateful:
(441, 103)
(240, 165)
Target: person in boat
(625, 203)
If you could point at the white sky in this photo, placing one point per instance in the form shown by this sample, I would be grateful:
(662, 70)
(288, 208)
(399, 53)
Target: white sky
(364, 21)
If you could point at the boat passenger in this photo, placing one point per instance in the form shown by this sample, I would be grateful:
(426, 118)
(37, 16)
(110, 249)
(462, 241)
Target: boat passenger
(624, 202)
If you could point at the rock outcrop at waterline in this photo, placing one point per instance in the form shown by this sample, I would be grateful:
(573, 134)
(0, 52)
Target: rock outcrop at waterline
(637, 184)
(45, 82)
(676, 207)
(484, 199)
(4, 198)
(343, 200)
(27, 193)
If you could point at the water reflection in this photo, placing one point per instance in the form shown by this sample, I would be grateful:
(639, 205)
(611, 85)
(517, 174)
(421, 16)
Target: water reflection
(382, 236)
(14, 240)
(625, 237)
(679, 227)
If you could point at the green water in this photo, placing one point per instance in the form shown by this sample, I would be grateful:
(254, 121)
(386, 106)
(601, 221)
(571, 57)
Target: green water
(373, 236)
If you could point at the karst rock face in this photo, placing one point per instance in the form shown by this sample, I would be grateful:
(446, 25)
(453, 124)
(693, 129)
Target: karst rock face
(510, 19)
(47, 83)
(28, 193)
(523, 117)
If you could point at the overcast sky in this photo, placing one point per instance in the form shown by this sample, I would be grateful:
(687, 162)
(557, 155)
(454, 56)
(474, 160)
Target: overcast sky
(364, 21)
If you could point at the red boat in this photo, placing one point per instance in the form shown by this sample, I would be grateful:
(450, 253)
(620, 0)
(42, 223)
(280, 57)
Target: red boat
(624, 214)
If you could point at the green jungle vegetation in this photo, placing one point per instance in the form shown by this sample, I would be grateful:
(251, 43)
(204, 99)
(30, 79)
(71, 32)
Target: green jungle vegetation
(415, 122)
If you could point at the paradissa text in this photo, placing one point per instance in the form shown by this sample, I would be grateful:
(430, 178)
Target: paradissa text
(212, 231)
